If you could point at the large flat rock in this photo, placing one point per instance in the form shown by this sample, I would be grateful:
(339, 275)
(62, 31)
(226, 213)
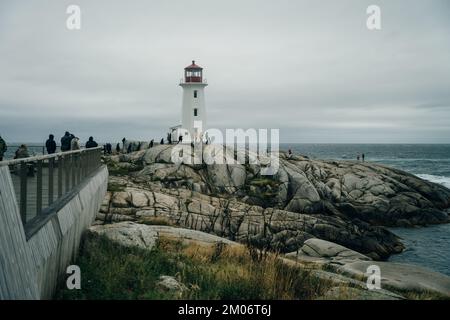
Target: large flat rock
(145, 236)
(402, 277)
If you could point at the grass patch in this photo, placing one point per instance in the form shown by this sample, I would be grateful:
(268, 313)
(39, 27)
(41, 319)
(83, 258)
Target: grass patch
(111, 271)
(115, 187)
(262, 182)
(419, 295)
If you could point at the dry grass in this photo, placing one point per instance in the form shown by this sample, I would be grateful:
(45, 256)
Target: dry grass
(111, 271)
(260, 274)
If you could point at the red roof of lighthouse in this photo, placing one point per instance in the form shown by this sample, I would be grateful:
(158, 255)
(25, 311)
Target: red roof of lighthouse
(193, 66)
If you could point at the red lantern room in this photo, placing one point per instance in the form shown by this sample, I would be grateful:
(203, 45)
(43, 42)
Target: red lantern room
(193, 73)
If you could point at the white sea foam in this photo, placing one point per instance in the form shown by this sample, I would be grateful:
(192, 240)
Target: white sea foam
(445, 181)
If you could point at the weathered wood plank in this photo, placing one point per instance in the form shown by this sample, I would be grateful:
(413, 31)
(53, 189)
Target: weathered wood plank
(30, 269)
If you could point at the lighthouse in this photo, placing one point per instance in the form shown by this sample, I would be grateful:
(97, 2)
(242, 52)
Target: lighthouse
(193, 118)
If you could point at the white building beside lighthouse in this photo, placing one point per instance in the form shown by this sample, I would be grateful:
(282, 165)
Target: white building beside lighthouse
(193, 118)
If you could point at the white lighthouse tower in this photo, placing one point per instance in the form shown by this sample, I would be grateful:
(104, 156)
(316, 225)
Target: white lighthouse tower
(193, 108)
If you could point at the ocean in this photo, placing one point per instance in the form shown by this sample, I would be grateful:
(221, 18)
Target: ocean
(429, 246)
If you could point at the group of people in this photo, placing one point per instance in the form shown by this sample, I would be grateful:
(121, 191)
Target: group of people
(361, 156)
(21, 152)
(69, 142)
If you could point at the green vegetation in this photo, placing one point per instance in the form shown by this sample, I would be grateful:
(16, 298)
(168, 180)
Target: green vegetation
(112, 271)
(115, 187)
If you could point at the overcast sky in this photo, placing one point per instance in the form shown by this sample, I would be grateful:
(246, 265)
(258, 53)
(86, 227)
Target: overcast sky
(310, 68)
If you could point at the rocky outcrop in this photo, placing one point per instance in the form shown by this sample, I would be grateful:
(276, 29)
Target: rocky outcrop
(368, 192)
(271, 228)
(324, 253)
(344, 202)
(172, 285)
(146, 236)
(348, 263)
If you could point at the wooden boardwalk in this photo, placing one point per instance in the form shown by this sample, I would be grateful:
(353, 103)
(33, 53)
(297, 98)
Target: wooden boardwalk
(32, 191)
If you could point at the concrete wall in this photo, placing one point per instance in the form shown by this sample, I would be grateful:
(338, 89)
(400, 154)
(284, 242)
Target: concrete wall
(30, 269)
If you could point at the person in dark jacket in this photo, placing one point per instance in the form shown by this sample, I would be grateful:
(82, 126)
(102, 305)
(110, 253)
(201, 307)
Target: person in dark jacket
(65, 141)
(118, 148)
(50, 144)
(91, 143)
(108, 148)
(150, 145)
(162, 141)
(3, 148)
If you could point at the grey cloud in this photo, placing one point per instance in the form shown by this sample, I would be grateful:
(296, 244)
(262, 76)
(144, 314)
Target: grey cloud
(309, 68)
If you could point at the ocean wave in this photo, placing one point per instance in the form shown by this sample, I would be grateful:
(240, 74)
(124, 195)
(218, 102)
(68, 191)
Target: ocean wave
(445, 181)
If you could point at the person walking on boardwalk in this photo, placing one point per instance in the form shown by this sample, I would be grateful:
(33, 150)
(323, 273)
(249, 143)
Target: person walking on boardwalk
(91, 143)
(65, 142)
(50, 144)
(75, 143)
(3, 148)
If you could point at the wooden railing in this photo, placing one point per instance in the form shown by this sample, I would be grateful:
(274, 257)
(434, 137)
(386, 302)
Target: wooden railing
(42, 181)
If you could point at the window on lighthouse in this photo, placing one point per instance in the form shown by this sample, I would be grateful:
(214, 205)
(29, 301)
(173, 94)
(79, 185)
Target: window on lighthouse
(195, 93)
(195, 112)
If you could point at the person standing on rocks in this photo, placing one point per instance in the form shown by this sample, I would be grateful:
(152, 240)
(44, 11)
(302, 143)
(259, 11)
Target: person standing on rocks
(50, 144)
(357, 157)
(3, 148)
(363, 156)
(162, 141)
(118, 148)
(150, 145)
(107, 148)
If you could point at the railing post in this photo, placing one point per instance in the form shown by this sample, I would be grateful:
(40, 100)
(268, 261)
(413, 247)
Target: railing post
(60, 164)
(80, 167)
(51, 165)
(39, 187)
(67, 173)
(72, 168)
(23, 191)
